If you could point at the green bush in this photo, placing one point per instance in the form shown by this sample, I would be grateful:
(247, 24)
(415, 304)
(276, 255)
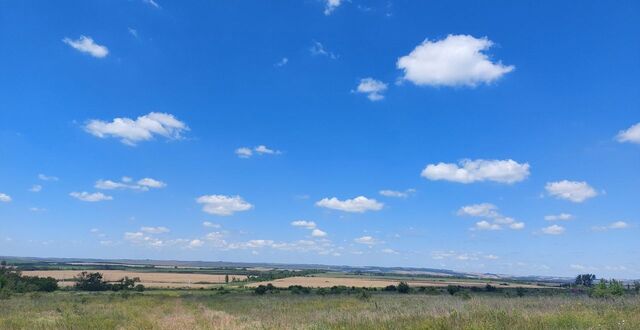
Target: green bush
(403, 287)
(453, 289)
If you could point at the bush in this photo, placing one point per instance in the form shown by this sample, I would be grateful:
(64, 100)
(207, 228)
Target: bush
(608, 289)
(403, 287)
(260, 290)
(299, 289)
(520, 292)
(86, 281)
(11, 280)
(453, 289)
(490, 288)
(390, 288)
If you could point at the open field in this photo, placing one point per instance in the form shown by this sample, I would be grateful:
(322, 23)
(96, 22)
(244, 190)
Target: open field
(148, 279)
(329, 281)
(211, 310)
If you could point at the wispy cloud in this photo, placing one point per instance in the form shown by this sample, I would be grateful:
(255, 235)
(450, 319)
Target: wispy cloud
(87, 45)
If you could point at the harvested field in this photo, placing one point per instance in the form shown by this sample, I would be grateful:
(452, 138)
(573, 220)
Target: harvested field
(148, 279)
(326, 282)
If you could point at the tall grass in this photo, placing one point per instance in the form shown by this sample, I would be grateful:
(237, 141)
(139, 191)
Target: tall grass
(209, 310)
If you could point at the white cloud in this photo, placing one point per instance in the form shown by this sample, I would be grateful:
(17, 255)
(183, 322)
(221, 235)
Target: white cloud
(367, 240)
(553, 230)
(154, 230)
(211, 224)
(453, 255)
(5, 198)
(559, 217)
(35, 188)
(396, 193)
(373, 88)
(613, 225)
(489, 211)
(318, 233)
(142, 184)
(36, 209)
(151, 3)
(282, 62)
(90, 197)
(457, 60)
(223, 205)
(196, 243)
(389, 251)
(244, 152)
(318, 50)
(632, 134)
(469, 171)
(479, 210)
(47, 178)
(331, 5)
(359, 204)
(143, 128)
(304, 223)
(87, 45)
(574, 191)
(133, 32)
(264, 150)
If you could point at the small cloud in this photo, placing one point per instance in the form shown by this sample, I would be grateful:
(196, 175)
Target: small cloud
(223, 205)
(263, 150)
(87, 45)
(196, 243)
(245, 152)
(558, 217)
(133, 32)
(154, 230)
(489, 211)
(630, 135)
(485, 225)
(373, 88)
(90, 197)
(553, 230)
(457, 60)
(282, 62)
(470, 171)
(35, 188)
(210, 224)
(396, 193)
(479, 210)
(359, 204)
(613, 225)
(142, 184)
(318, 233)
(367, 240)
(143, 128)
(389, 251)
(304, 224)
(36, 209)
(47, 178)
(317, 49)
(331, 5)
(151, 183)
(573, 191)
(152, 3)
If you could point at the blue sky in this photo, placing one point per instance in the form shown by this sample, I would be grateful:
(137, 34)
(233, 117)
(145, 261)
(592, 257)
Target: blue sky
(498, 137)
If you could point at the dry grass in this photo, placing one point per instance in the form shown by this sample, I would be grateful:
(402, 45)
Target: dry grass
(148, 279)
(326, 282)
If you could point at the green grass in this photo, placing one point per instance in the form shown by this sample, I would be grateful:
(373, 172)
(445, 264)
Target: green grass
(204, 309)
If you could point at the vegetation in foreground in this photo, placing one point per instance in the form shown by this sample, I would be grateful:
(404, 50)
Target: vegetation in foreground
(211, 309)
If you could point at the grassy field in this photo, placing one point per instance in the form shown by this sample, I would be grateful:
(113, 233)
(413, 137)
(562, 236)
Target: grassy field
(210, 309)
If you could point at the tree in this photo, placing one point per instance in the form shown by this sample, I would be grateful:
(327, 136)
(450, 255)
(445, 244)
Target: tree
(585, 279)
(91, 282)
(403, 287)
(453, 289)
(226, 278)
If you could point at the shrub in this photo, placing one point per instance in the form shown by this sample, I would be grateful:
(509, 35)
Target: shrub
(403, 287)
(490, 288)
(390, 288)
(86, 281)
(260, 289)
(520, 292)
(453, 289)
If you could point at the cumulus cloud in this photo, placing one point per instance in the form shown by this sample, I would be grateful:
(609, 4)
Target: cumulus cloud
(304, 224)
(5, 198)
(631, 135)
(367, 240)
(35, 188)
(331, 5)
(90, 197)
(613, 225)
(195, 243)
(559, 217)
(396, 193)
(359, 204)
(318, 233)
(245, 152)
(126, 183)
(154, 230)
(211, 224)
(87, 45)
(373, 88)
(573, 191)
(457, 60)
(553, 230)
(469, 171)
(143, 128)
(223, 205)
(494, 220)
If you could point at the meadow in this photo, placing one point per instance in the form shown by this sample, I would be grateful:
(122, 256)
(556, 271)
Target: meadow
(242, 309)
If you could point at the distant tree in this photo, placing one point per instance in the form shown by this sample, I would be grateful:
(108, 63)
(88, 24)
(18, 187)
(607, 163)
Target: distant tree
(260, 289)
(585, 279)
(226, 278)
(490, 288)
(390, 288)
(86, 281)
(636, 286)
(453, 289)
(3, 263)
(520, 291)
(403, 287)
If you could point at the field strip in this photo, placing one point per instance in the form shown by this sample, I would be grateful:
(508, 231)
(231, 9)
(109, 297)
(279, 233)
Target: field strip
(326, 282)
